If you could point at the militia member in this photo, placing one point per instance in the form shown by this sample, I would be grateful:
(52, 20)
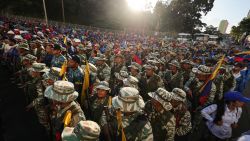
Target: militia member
(134, 123)
(182, 115)
(75, 73)
(149, 82)
(84, 131)
(36, 92)
(58, 59)
(173, 77)
(63, 95)
(103, 70)
(158, 111)
(135, 69)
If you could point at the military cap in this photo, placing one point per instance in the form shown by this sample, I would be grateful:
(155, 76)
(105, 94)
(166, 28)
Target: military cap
(84, 131)
(62, 91)
(163, 97)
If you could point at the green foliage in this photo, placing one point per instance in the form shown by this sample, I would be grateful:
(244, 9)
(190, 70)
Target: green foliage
(244, 26)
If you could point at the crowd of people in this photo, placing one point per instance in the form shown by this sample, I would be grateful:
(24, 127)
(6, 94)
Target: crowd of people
(92, 85)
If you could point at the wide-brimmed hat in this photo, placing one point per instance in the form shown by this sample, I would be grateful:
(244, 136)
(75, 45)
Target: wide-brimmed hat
(149, 66)
(187, 62)
(53, 74)
(62, 91)
(84, 131)
(128, 100)
(39, 67)
(121, 75)
(29, 57)
(100, 57)
(178, 94)
(23, 46)
(163, 97)
(202, 69)
(175, 63)
(104, 85)
(131, 81)
(236, 96)
(92, 68)
(135, 66)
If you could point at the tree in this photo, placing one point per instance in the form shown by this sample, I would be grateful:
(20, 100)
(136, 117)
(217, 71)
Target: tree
(211, 30)
(243, 27)
(184, 15)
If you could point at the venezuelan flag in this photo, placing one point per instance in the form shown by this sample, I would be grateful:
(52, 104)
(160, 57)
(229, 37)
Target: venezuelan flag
(205, 90)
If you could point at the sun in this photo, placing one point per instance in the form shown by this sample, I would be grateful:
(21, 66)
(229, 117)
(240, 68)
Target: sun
(137, 5)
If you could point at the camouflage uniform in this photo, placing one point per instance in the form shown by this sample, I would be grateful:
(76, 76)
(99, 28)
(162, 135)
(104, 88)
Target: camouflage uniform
(183, 120)
(103, 72)
(58, 116)
(173, 80)
(135, 125)
(57, 61)
(151, 84)
(163, 122)
(39, 104)
(63, 92)
(223, 84)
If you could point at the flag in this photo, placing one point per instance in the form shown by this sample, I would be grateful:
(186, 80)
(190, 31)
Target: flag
(85, 82)
(244, 52)
(67, 118)
(119, 122)
(205, 89)
(63, 70)
(65, 40)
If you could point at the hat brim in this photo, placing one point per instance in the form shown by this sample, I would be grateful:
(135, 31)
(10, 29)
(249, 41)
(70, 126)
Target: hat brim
(44, 70)
(244, 99)
(166, 105)
(138, 105)
(197, 71)
(51, 94)
(174, 65)
(103, 87)
(68, 134)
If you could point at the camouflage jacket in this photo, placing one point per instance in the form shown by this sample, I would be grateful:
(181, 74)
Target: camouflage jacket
(144, 134)
(103, 72)
(163, 124)
(57, 61)
(147, 85)
(183, 120)
(195, 85)
(173, 80)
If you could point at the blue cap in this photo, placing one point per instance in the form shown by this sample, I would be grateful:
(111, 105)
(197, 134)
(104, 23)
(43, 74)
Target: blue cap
(235, 96)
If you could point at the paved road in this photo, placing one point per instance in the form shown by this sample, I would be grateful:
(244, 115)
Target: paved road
(15, 123)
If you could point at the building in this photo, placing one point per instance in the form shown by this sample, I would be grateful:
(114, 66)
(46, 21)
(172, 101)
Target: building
(223, 26)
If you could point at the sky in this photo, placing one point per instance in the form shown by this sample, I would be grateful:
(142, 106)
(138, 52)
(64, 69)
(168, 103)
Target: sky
(232, 10)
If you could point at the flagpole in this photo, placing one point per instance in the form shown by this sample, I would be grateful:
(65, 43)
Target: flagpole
(45, 12)
(63, 11)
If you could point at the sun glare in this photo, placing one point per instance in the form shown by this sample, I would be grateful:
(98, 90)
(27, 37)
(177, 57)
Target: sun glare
(137, 5)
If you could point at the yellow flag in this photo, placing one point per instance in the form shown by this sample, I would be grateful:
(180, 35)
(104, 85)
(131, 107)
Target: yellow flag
(110, 102)
(216, 70)
(85, 82)
(214, 73)
(63, 69)
(119, 122)
(244, 52)
(65, 40)
(67, 118)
